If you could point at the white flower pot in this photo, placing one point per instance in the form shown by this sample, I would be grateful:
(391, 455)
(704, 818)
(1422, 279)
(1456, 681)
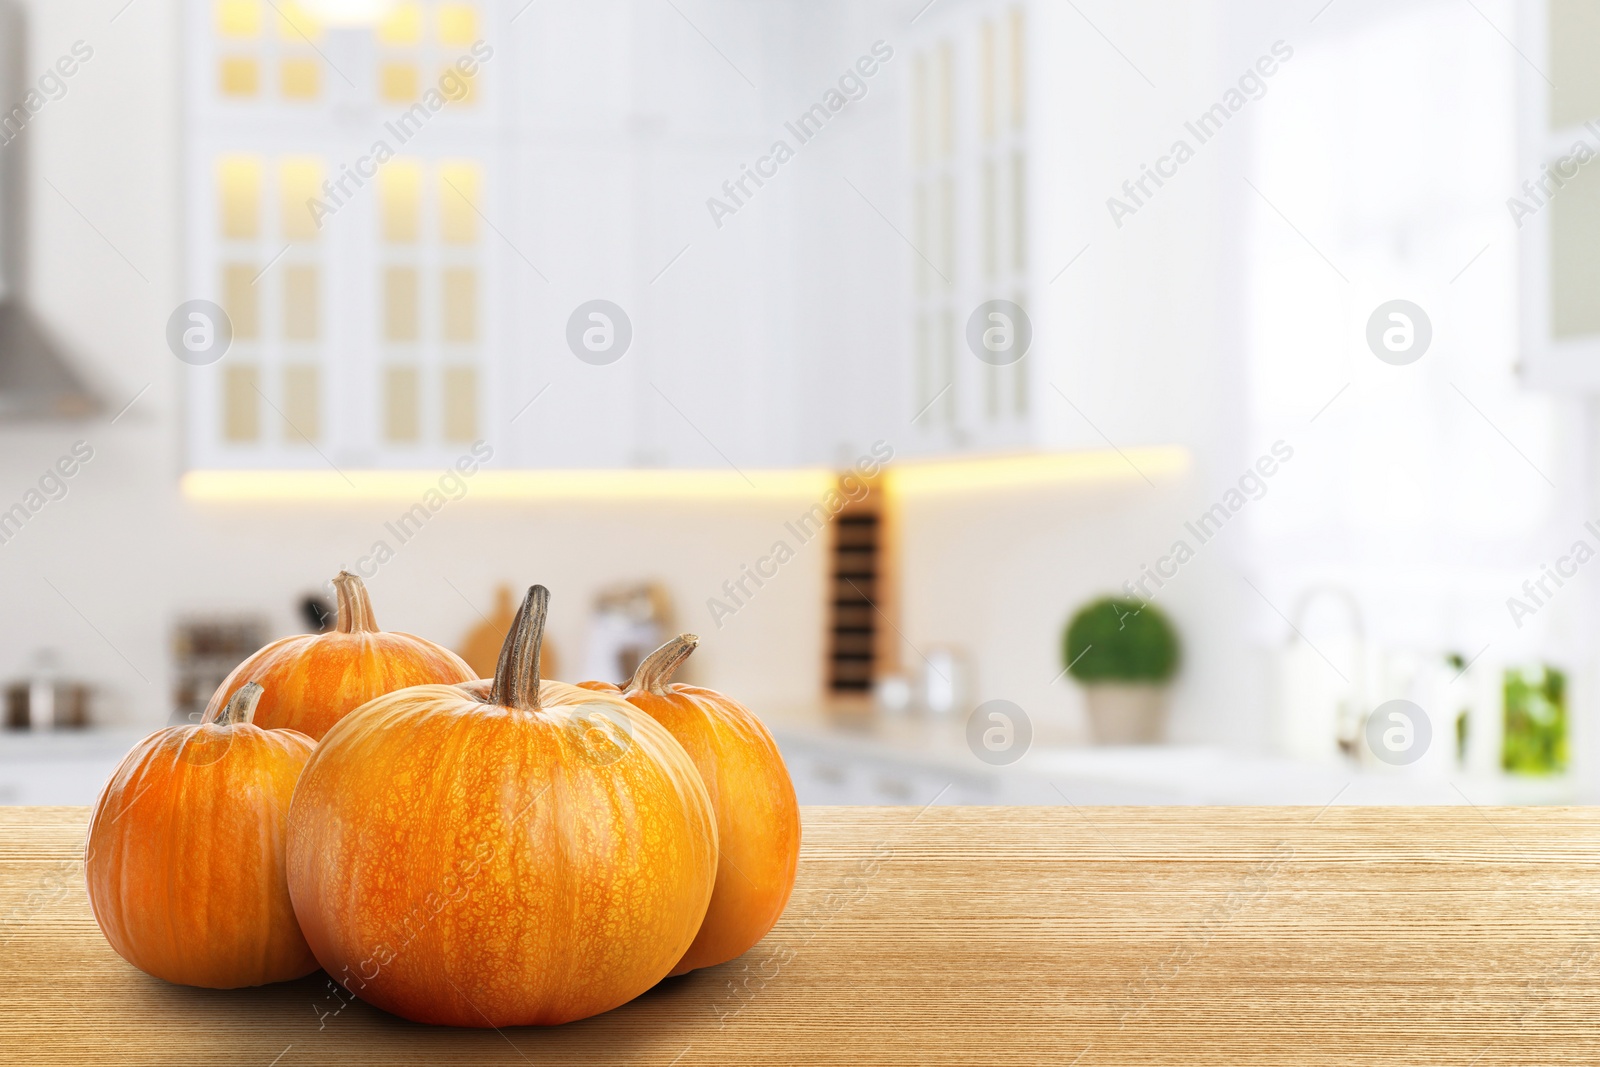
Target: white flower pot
(1126, 713)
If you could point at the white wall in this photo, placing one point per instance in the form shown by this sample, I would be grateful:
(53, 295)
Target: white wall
(128, 555)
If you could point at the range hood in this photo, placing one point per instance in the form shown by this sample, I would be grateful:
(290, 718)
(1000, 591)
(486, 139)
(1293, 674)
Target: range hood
(36, 379)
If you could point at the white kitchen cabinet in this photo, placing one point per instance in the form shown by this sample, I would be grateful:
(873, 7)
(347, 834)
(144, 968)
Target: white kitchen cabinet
(432, 304)
(1557, 208)
(832, 773)
(828, 311)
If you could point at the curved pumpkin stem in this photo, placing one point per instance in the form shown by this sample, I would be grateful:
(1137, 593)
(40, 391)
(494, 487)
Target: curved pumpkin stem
(355, 606)
(241, 706)
(659, 666)
(516, 676)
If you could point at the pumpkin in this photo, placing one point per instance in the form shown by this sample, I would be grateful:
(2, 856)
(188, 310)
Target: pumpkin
(314, 680)
(502, 853)
(758, 819)
(185, 854)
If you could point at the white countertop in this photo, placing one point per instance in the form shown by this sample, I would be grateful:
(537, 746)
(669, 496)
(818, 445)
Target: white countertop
(840, 756)
(1154, 774)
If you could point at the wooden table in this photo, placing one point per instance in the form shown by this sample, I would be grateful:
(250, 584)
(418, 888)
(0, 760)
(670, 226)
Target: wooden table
(1138, 936)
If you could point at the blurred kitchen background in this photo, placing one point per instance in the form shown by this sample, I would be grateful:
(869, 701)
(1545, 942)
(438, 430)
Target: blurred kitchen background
(1277, 320)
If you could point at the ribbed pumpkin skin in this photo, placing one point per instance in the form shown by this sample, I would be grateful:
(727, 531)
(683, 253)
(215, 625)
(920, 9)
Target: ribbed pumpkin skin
(758, 817)
(185, 856)
(462, 863)
(314, 680)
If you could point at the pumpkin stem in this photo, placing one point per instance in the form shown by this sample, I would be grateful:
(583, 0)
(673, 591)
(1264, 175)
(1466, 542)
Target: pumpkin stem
(516, 676)
(658, 667)
(355, 606)
(241, 706)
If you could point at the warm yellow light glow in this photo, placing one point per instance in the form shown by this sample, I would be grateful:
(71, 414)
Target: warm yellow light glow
(348, 12)
(238, 18)
(239, 76)
(328, 486)
(911, 478)
(296, 22)
(299, 183)
(400, 193)
(299, 78)
(458, 200)
(401, 24)
(399, 82)
(906, 478)
(239, 189)
(458, 24)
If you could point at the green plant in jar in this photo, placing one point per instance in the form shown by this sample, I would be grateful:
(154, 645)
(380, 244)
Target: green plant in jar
(1535, 721)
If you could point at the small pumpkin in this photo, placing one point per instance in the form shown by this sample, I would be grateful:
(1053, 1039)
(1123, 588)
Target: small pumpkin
(185, 854)
(758, 819)
(500, 853)
(314, 680)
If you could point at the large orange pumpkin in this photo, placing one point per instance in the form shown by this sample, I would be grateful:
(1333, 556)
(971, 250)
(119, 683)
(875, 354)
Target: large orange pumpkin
(504, 854)
(185, 856)
(758, 820)
(314, 680)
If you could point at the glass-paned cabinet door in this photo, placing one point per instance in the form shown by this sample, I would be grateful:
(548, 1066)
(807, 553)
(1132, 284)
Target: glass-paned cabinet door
(1556, 206)
(970, 153)
(339, 175)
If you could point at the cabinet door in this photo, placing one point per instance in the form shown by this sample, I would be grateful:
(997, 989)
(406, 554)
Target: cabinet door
(1557, 209)
(973, 351)
(622, 147)
(840, 773)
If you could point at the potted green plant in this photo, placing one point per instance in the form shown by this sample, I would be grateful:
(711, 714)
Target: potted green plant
(1124, 652)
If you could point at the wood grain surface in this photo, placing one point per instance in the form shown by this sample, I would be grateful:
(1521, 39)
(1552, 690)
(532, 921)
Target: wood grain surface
(1138, 936)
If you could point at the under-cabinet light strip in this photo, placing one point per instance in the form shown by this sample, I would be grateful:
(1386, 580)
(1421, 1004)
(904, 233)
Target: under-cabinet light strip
(905, 478)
